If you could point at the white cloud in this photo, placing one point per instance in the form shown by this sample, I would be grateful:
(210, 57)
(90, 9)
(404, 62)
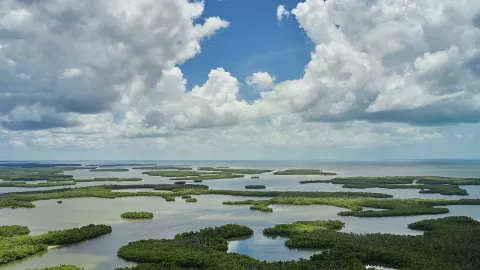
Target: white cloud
(389, 61)
(72, 72)
(282, 12)
(262, 80)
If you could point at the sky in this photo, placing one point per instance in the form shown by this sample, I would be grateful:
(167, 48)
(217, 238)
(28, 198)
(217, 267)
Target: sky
(239, 79)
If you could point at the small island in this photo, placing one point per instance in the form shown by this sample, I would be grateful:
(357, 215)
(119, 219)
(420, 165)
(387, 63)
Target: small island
(303, 172)
(255, 187)
(180, 183)
(137, 215)
(191, 200)
(255, 177)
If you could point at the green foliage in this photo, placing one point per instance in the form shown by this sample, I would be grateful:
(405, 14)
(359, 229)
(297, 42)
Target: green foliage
(60, 267)
(442, 189)
(186, 197)
(449, 243)
(197, 181)
(108, 179)
(137, 215)
(25, 185)
(303, 172)
(433, 180)
(210, 176)
(191, 200)
(305, 194)
(51, 174)
(180, 183)
(59, 201)
(203, 249)
(11, 203)
(13, 230)
(18, 247)
(75, 235)
(255, 187)
(313, 181)
(288, 230)
(233, 171)
(110, 170)
(164, 167)
(261, 207)
(386, 207)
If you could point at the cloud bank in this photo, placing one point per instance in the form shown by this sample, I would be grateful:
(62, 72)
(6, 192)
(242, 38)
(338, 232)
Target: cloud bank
(96, 74)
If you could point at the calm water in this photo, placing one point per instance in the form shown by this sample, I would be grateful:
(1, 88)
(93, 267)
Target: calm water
(171, 218)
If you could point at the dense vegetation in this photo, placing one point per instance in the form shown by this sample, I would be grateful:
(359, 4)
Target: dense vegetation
(191, 200)
(52, 174)
(194, 175)
(109, 170)
(137, 215)
(303, 172)
(406, 180)
(60, 267)
(10, 203)
(233, 171)
(255, 187)
(426, 184)
(448, 243)
(186, 197)
(18, 247)
(385, 207)
(180, 183)
(188, 250)
(164, 167)
(108, 179)
(289, 230)
(442, 189)
(13, 230)
(313, 181)
(26, 185)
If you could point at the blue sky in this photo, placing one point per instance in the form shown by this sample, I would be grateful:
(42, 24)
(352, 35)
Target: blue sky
(255, 41)
(239, 79)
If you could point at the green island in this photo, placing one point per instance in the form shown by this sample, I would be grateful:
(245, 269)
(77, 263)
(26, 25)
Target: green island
(164, 167)
(26, 185)
(426, 184)
(137, 215)
(60, 267)
(233, 171)
(180, 183)
(191, 200)
(110, 170)
(289, 230)
(15, 247)
(303, 172)
(385, 207)
(51, 174)
(13, 230)
(448, 243)
(313, 181)
(193, 175)
(107, 179)
(255, 187)
(186, 197)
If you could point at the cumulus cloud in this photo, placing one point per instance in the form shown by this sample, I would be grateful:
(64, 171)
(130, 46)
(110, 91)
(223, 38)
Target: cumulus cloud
(282, 12)
(262, 80)
(94, 56)
(389, 74)
(389, 62)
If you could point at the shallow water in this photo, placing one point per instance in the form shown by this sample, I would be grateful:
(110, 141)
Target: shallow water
(171, 218)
